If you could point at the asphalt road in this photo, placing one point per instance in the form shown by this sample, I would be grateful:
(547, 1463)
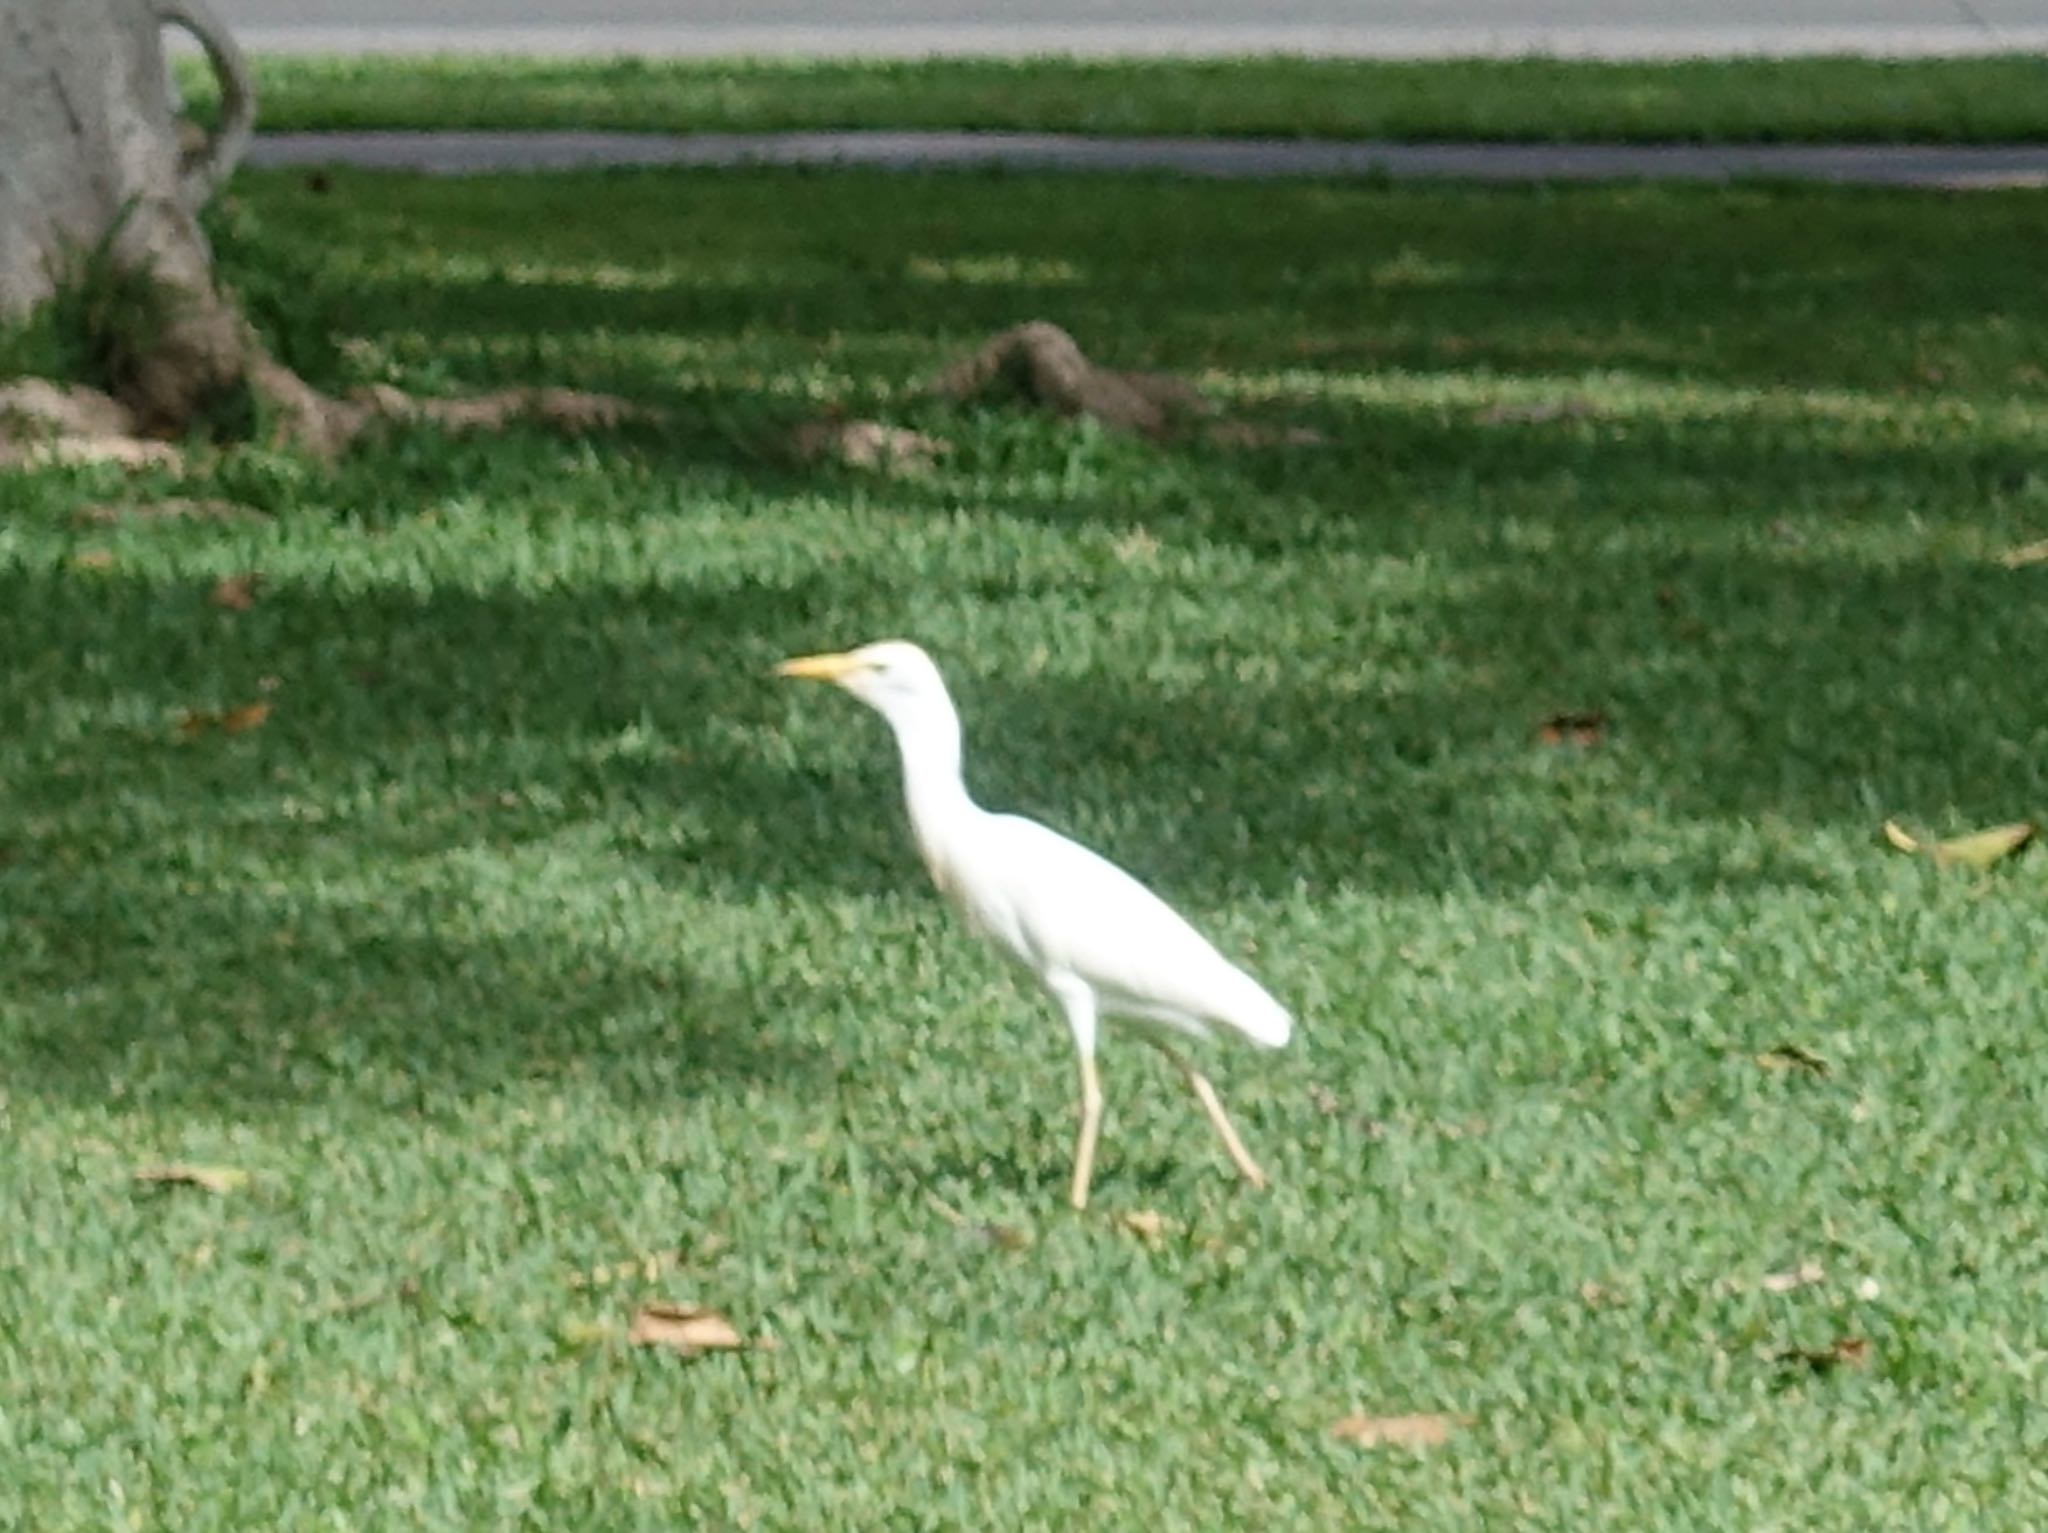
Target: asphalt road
(1958, 168)
(1366, 28)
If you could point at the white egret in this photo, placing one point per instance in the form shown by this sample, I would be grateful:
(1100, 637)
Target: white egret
(1100, 942)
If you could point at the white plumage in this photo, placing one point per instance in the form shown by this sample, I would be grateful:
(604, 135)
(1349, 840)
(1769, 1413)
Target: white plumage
(1100, 942)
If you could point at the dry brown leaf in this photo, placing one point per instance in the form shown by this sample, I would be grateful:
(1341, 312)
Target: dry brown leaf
(1324, 1100)
(1845, 1352)
(1425, 1430)
(1802, 1276)
(237, 593)
(232, 721)
(1979, 849)
(178, 1174)
(93, 559)
(685, 1328)
(1597, 1294)
(1583, 728)
(1790, 1056)
(2026, 553)
(1146, 1223)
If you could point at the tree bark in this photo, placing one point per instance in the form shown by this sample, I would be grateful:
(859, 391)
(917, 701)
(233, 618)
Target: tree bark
(91, 164)
(90, 161)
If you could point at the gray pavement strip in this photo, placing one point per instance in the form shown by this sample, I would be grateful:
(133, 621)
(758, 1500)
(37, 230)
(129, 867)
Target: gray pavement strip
(1964, 167)
(1660, 37)
(1095, 28)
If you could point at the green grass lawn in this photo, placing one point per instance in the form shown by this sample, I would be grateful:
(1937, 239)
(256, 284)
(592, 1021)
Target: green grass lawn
(540, 954)
(1998, 98)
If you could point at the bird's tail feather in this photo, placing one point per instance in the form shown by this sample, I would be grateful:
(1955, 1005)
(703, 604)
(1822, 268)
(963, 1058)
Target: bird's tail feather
(1259, 1017)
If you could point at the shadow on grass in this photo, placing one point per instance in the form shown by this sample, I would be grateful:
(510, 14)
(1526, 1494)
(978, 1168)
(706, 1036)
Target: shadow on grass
(272, 915)
(1741, 686)
(1666, 281)
(137, 990)
(308, 906)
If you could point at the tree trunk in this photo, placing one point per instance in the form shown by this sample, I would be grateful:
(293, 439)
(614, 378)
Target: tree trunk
(91, 167)
(90, 161)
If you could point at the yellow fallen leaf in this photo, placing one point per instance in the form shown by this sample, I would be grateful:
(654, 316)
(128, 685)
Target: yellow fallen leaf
(685, 1328)
(177, 1174)
(2026, 553)
(1986, 846)
(1898, 837)
(1980, 849)
(1425, 1430)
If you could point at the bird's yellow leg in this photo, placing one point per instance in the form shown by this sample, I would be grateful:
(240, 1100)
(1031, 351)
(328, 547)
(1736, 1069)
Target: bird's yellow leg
(1213, 1106)
(1077, 1002)
(1091, 1124)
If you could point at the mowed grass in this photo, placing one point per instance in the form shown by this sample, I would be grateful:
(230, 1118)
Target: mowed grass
(539, 954)
(2001, 97)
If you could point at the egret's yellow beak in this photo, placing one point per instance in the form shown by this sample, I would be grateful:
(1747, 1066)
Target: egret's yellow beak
(820, 667)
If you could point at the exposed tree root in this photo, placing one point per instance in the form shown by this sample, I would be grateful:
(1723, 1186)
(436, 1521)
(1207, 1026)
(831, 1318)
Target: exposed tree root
(867, 444)
(43, 422)
(1041, 363)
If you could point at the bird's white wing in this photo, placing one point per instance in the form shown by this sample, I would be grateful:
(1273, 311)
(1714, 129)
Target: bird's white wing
(1061, 908)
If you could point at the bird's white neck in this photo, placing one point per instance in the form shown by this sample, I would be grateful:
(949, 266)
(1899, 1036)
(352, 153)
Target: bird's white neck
(928, 740)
